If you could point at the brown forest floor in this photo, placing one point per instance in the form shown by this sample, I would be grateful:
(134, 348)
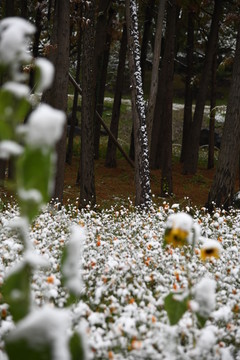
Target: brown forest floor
(118, 183)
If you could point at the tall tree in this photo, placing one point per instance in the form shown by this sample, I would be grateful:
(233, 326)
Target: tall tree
(102, 45)
(155, 69)
(147, 31)
(87, 179)
(187, 117)
(111, 147)
(222, 189)
(161, 131)
(57, 96)
(191, 160)
(212, 113)
(142, 173)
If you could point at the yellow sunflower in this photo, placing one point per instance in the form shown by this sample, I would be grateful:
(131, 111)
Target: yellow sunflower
(176, 237)
(211, 248)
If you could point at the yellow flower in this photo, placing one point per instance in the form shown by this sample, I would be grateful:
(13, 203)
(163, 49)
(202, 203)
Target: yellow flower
(211, 248)
(176, 237)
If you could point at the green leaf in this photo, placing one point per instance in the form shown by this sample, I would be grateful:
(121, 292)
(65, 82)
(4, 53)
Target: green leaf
(76, 347)
(174, 307)
(201, 321)
(20, 349)
(34, 170)
(13, 110)
(16, 292)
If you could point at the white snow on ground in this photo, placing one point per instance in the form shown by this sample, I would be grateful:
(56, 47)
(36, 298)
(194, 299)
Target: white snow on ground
(126, 274)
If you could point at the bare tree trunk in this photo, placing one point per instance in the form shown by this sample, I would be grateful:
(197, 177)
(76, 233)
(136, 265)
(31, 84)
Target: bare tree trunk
(142, 174)
(3, 165)
(187, 117)
(87, 180)
(161, 135)
(166, 129)
(111, 148)
(191, 161)
(100, 68)
(212, 114)
(57, 95)
(222, 189)
(155, 70)
(24, 9)
(146, 34)
(75, 99)
(9, 8)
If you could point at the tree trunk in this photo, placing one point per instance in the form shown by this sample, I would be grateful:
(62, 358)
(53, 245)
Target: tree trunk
(3, 165)
(9, 8)
(87, 180)
(142, 174)
(212, 114)
(155, 70)
(191, 161)
(163, 108)
(100, 66)
(146, 34)
(75, 100)
(187, 117)
(222, 189)
(166, 129)
(24, 9)
(57, 95)
(111, 147)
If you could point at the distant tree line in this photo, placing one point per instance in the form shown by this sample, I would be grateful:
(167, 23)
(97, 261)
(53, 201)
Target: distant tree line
(196, 40)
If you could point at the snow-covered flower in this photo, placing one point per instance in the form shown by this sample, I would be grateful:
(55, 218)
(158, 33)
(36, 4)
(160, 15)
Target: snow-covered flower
(46, 73)
(14, 42)
(210, 248)
(181, 230)
(45, 126)
(204, 295)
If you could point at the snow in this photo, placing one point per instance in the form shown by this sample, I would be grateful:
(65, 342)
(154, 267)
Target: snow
(30, 195)
(46, 325)
(204, 294)
(45, 126)
(47, 74)
(126, 277)
(19, 90)
(9, 148)
(14, 33)
(72, 265)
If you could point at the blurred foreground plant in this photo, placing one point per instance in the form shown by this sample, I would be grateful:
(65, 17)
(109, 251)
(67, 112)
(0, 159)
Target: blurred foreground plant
(38, 333)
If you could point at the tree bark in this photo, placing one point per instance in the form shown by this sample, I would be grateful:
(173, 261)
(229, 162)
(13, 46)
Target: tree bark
(155, 70)
(146, 34)
(187, 117)
(57, 95)
(161, 131)
(100, 67)
(75, 99)
(9, 8)
(212, 114)
(111, 147)
(142, 174)
(191, 161)
(222, 190)
(87, 179)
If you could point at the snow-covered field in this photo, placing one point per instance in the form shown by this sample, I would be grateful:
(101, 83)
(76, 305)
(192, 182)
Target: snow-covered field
(126, 275)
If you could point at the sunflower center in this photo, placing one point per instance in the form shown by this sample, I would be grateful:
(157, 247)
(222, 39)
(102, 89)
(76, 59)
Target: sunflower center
(209, 251)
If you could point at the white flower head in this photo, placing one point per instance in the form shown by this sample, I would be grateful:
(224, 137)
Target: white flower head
(46, 73)
(204, 295)
(14, 43)
(45, 126)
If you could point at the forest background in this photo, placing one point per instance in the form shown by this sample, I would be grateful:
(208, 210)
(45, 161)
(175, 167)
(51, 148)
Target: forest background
(186, 54)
